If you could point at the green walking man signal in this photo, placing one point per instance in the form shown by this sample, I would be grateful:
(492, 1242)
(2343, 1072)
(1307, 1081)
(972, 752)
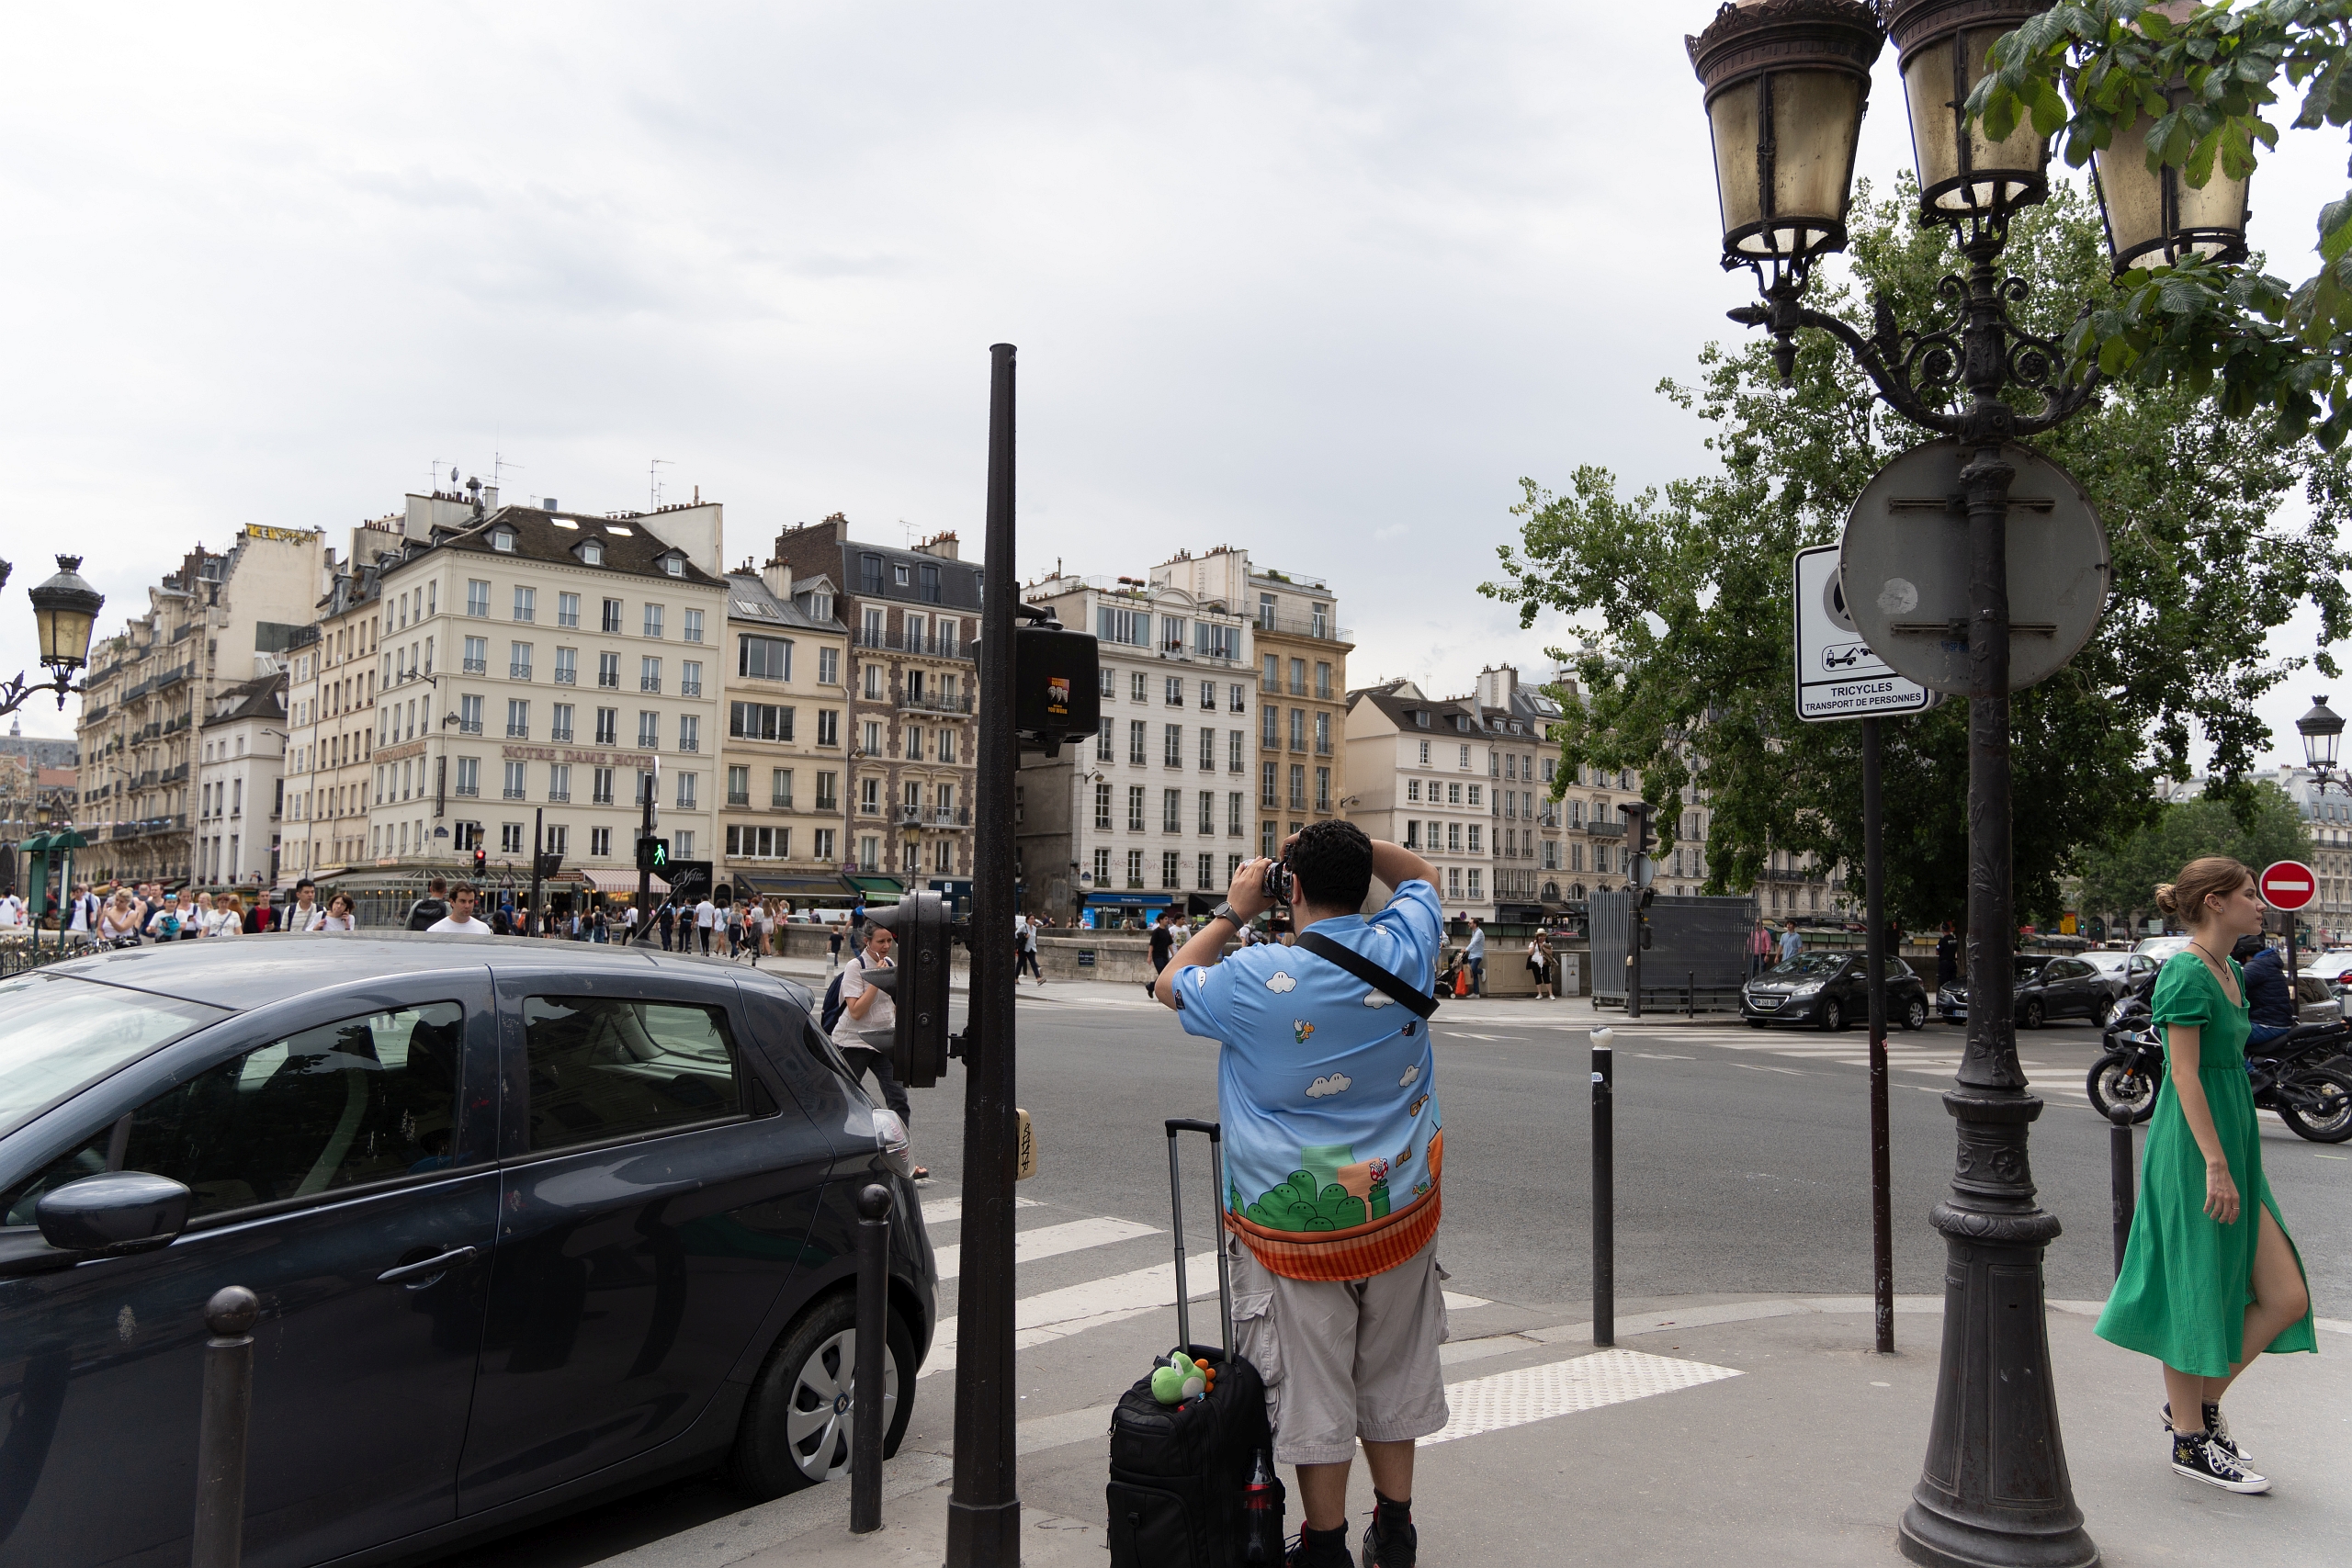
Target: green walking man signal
(654, 854)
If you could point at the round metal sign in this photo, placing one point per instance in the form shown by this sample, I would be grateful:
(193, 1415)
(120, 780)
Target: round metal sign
(2288, 884)
(1904, 566)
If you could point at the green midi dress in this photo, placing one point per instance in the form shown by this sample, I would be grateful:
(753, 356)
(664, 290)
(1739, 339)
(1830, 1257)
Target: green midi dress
(2188, 1278)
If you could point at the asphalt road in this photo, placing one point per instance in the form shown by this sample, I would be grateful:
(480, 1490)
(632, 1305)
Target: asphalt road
(1742, 1166)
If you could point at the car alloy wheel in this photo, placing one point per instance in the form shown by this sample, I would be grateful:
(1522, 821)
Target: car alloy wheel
(799, 1422)
(2034, 1014)
(1833, 1016)
(1915, 1013)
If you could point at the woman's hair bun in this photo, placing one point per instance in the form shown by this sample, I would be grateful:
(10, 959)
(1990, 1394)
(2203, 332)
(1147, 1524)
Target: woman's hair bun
(2164, 901)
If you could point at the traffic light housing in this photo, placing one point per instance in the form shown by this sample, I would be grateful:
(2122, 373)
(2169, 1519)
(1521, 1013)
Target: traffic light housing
(919, 985)
(481, 861)
(653, 856)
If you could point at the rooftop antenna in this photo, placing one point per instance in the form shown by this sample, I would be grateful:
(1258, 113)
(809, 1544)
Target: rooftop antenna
(498, 463)
(653, 481)
(433, 476)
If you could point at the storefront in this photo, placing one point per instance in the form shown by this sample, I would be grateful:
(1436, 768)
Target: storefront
(1109, 911)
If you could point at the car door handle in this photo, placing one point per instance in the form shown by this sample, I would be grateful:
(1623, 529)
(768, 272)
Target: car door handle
(418, 1270)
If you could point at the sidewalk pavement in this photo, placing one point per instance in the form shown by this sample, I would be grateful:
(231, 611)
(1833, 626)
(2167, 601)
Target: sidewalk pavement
(1751, 1428)
(1575, 1013)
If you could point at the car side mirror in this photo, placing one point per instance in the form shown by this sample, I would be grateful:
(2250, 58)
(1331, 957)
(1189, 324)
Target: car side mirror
(118, 1213)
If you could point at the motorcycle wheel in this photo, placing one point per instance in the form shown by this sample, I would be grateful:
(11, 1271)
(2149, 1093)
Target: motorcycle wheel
(2115, 1081)
(2327, 1116)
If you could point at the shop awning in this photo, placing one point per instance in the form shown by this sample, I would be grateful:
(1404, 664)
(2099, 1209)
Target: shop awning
(877, 887)
(1147, 901)
(619, 881)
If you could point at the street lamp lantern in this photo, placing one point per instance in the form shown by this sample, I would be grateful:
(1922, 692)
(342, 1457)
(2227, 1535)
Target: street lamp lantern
(66, 607)
(1786, 83)
(2321, 729)
(2155, 217)
(1963, 174)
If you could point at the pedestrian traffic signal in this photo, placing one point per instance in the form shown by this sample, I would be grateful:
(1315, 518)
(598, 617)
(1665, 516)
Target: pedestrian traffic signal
(918, 1043)
(481, 862)
(654, 854)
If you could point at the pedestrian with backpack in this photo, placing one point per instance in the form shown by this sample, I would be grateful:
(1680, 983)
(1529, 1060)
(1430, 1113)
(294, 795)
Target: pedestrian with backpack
(1326, 1080)
(856, 1009)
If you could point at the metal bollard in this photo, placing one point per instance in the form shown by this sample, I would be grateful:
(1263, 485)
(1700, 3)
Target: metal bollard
(2119, 1177)
(866, 1420)
(1604, 1188)
(1691, 994)
(219, 1533)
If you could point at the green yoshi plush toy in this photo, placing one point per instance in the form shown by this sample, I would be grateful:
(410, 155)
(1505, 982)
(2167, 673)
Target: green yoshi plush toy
(1180, 1377)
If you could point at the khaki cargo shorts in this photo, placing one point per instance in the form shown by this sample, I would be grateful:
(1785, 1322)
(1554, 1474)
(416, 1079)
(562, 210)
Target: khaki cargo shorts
(1343, 1360)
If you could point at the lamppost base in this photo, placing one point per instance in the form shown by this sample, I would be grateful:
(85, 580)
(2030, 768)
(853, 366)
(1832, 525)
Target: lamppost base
(983, 1535)
(1942, 1542)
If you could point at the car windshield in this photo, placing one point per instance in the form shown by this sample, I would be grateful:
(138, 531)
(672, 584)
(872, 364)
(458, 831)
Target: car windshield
(58, 1036)
(1804, 965)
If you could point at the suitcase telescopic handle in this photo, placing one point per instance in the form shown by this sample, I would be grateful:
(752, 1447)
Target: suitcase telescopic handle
(1176, 1213)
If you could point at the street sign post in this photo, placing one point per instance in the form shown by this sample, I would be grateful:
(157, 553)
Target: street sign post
(1838, 676)
(2288, 885)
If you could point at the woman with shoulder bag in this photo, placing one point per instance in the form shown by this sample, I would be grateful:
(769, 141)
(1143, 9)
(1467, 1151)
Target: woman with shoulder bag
(2210, 1279)
(1538, 964)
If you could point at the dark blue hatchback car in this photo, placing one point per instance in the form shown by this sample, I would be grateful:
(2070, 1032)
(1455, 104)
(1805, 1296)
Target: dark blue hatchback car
(530, 1224)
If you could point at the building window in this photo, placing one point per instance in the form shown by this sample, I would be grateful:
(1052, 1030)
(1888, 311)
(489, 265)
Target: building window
(518, 660)
(527, 603)
(1477, 836)
(738, 786)
(1171, 746)
(560, 728)
(1233, 815)
(1271, 678)
(1322, 789)
(1103, 741)
(510, 838)
(1206, 873)
(1322, 734)
(1208, 696)
(829, 727)
(468, 780)
(477, 656)
(1452, 838)
(1477, 793)
(648, 674)
(1135, 808)
(611, 621)
(608, 725)
(869, 796)
(591, 552)
(1298, 786)
(1454, 881)
(870, 736)
(608, 671)
(653, 620)
(690, 677)
(1103, 807)
(567, 609)
(600, 784)
(1135, 731)
(1477, 878)
(780, 788)
(514, 790)
(567, 667)
(477, 598)
(469, 715)
(828, 666)
(686, 792)
(600, 843)
(648, 731)
(1208, 811)
(1266, 785)
(1169, 876)
(764, 658)
(1101, 868)
(690, 623)
(1172, 810)
(518, 720)
(1209, 750)
(560, 781)
(1175, 691)
(758, 721)
(829, 791)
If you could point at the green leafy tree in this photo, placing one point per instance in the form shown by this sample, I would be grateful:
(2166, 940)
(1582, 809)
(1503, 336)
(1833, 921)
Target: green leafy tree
(2200, 77)
(2266, 826)
(1682, 595)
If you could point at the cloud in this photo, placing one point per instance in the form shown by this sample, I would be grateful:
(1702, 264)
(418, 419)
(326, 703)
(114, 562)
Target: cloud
(1377, 998)
(1394, 531)
(1338, 1083)
(1411, 1075)
(1280, 982)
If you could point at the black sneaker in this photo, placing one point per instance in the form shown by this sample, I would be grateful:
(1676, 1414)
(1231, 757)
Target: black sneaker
(1330, 1552)
(1390, 1540)
(2197, 1456)
(2217, 1427)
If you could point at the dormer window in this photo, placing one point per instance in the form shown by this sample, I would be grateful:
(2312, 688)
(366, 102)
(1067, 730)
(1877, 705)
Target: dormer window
(821, 606)
(673, 564)
(502, 540)
(1421, 717)
(591, 552)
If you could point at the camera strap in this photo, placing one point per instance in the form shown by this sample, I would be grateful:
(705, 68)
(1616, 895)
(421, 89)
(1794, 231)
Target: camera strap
(1419, 1002)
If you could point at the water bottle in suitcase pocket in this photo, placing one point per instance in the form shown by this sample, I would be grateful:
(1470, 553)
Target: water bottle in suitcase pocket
(1193, 1485)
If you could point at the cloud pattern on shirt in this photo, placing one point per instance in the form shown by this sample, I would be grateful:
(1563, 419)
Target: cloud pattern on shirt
(1377, 1000)
(1412, 1074)
(1280, 982)
(1338, 1083)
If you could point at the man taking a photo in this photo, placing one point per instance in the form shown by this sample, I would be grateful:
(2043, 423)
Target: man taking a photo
(1327, 1092)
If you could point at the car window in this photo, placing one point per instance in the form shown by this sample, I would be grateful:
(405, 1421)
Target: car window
(60, 1034)
(607, 1067)
(1813, 965)
(2064, 969)
(362, 1099)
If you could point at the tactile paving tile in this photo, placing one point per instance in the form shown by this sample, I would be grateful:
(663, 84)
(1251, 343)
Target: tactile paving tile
(1502, 1400)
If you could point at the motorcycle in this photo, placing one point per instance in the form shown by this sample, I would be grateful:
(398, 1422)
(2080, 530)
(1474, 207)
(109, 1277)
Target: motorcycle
(2301, 1074)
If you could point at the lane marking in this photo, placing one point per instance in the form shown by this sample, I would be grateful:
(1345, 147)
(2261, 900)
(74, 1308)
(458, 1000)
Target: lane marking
(1074, 1309)
(1503, 1400)
(1761, 1068)
(1051, 1241)
(947, 1211)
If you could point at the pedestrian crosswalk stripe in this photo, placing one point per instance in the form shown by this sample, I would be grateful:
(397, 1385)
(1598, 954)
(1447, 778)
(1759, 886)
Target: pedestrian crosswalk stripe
(1051, 1241)
(947, 1211)
(1503, 1400)
(1057, 1314)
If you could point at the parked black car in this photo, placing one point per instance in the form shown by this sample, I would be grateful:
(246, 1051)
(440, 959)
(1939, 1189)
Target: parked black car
(531, 1224)
(2049, 988)
(1829, 990)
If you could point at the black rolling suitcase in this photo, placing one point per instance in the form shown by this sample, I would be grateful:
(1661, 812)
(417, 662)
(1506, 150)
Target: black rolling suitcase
(1193, 1485)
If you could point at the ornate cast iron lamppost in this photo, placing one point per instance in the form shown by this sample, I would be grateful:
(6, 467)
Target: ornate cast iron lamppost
(2322, 731)
(64, 609)
(1787, 82)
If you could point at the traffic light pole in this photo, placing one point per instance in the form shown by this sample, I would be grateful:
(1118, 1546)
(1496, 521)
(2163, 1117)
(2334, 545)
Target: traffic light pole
(645, 871)
(983, 1511)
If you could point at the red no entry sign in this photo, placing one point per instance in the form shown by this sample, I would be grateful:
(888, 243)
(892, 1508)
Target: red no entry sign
(2288, 884)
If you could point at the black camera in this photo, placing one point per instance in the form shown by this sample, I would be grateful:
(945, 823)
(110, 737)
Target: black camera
(1276, 884)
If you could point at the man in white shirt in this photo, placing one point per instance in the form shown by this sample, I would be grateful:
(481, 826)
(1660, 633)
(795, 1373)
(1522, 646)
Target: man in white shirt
(460, 919)
(304, 916)
(868, 1013)
(706, 916)
(12, 912)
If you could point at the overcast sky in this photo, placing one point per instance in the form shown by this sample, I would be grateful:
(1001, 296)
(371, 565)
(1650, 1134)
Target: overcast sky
(1320, 279)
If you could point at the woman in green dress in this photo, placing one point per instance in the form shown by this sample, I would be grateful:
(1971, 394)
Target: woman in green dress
(2210, 1280)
